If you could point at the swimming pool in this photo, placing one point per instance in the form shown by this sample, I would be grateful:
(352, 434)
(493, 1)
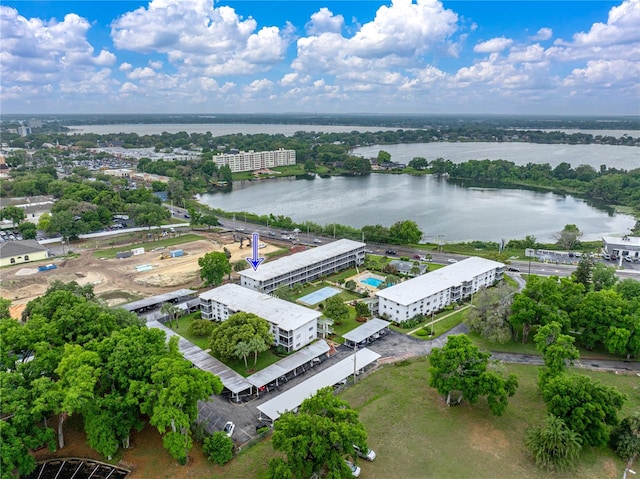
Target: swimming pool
(372, 281)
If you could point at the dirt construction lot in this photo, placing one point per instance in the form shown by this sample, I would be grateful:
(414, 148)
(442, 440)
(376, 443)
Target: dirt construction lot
(117, 280)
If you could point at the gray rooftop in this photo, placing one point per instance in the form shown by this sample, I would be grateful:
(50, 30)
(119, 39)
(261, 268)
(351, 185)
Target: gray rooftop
(408, 292)
(303, 259)
(291, 399)
(285, 315)
(20, 248)
(233, 381)
(288, 364)
(160, 298)
(369, 328)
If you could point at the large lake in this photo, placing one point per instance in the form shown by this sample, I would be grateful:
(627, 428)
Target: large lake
(614, 156)
(444, 211)
(218, 129)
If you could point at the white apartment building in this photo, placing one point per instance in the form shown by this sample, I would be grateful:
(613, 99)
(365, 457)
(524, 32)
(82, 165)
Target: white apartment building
(305, 266)
(292, 326)
(433, 291)
(256, 160)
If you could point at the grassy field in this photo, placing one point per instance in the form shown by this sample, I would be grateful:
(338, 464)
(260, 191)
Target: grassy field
(417, 436)
(110, 253)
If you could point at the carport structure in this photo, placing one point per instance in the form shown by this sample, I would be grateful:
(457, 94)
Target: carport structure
(155, 302)
(290, 400)
(367, 333)
(231, 380)
(289, 367)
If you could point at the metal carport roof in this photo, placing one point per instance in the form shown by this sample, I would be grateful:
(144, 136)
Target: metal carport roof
(291, 399)
(368, 329)
(288, 364)
(231, 380)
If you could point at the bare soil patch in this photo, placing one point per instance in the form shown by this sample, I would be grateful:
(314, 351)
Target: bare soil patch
(112, 275)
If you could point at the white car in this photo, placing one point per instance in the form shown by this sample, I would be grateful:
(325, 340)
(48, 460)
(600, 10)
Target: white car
(370, 455)
(451, 260)
(228, 428)
(355, 470)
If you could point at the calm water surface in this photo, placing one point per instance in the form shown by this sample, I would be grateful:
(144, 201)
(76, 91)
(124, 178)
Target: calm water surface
(442, 210)
(614, 156)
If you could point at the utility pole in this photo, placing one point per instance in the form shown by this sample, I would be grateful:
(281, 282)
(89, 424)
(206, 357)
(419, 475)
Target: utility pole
(354, 362)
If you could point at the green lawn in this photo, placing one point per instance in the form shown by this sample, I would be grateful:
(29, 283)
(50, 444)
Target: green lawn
(183, 330)
(416, 436)
(445, 325)
(343, 275)
(346, 326)
(264, 359)
(110, 253)
(529, 348)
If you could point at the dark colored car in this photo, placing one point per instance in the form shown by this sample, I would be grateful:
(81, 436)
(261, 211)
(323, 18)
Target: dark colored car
(391, 251)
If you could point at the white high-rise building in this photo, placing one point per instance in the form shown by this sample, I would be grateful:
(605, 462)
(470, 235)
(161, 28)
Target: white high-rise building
(256, 160)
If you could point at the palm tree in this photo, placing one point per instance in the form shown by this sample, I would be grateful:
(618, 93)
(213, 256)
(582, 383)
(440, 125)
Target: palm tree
(172, 312)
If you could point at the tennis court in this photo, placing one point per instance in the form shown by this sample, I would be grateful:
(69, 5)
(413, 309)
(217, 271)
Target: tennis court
(317, 296)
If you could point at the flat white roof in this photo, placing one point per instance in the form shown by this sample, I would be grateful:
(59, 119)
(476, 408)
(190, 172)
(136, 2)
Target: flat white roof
(421, 287)
(619, 241)
(300, 260)
(288, 364)
(367, 329)
(285, 315)
(291, 399)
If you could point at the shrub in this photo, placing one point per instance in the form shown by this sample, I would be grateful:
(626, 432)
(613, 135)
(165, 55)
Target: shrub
(201, 327)
(422, 332)
(218, 447)
(554, 445)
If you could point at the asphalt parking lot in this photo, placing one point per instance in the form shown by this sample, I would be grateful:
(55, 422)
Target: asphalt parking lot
(213, 414)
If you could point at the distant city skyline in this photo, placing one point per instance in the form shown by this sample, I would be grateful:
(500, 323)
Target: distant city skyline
(398, 57)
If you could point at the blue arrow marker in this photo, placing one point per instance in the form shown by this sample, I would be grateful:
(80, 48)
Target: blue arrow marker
(255, 261)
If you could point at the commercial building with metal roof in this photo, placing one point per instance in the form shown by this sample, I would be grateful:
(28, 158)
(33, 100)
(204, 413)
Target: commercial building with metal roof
(305, 266)
(293, 326)
(290, 400)
(367, 332)
(433, 291)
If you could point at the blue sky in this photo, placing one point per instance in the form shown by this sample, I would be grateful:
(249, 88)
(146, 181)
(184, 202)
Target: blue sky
(402, 56)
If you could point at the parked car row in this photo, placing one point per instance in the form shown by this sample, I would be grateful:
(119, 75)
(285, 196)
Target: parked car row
(10, 236)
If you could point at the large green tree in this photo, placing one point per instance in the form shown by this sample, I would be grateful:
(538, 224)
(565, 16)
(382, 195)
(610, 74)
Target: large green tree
(460, 368)
(12, 213)
(586, 406)
(557, 349)
(316, 439)
(334, 308)
(213, 267)
(405, 232)
(489, 316)
(241, 334)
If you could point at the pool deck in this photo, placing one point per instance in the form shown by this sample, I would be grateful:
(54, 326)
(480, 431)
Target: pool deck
(363, 275)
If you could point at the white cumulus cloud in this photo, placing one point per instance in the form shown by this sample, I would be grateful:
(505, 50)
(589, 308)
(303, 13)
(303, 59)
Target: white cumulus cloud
(542, 34)
(195, 35)
(324, 21)
(494, 45)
